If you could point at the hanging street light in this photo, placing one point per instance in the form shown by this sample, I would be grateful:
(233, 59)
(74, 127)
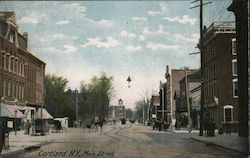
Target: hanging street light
(129, 80)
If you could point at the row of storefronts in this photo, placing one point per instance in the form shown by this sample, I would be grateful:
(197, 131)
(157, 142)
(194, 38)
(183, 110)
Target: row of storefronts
(179, 99)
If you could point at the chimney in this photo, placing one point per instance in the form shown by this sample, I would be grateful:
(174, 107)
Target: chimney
(25, 34)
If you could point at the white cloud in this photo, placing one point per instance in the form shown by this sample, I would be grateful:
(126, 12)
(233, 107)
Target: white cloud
(163, 8)
(50, 49)
(33, 18)
(76, 7)
(101, 23)
(159, 46)
(193, 39)
(132, 48)
(110, 42)
(140, 18)
(185, 19)
(142, 38)
(146, 33)
(127, 34)
(69, 48)
(62, 22)
(63, 37)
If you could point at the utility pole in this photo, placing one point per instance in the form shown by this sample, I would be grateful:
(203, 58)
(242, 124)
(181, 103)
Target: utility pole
(77, 119)
(162, 106)
(201, 61)
(187, 97)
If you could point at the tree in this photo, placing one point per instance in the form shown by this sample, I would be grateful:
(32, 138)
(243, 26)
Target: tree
(142, 106)
(58, 102)
(129, 113)
(95, 97)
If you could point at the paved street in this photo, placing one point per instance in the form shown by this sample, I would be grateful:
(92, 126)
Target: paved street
(129, 141)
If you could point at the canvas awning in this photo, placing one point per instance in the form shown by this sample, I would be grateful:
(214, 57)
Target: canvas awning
(25, 108)
(10, 111)
(46, 114)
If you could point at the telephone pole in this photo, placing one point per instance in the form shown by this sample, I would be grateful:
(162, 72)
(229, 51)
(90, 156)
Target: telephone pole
(201, 61)
(187, 99)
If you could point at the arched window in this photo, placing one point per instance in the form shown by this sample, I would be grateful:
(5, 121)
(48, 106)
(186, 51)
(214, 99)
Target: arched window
(228, 113)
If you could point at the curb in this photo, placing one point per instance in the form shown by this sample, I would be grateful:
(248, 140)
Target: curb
(13, 153)
(218, 145)
(25, 149)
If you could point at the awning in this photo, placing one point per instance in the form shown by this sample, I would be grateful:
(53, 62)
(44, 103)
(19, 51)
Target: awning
(25, 108)
(10, 111)
(46, 114)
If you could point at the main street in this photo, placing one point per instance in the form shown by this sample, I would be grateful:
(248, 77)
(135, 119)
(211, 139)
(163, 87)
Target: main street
(127, 141)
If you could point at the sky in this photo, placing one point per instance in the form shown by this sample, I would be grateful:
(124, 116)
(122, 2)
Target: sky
(79, 39)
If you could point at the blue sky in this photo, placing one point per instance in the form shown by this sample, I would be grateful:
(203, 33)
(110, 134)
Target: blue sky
(138, 38)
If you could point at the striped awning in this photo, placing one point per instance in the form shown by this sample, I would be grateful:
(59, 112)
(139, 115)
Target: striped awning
(10, 111)
(45, 113)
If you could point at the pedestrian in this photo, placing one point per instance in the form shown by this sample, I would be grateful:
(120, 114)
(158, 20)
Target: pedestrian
(228, 130)
(28, 127)
(80, 122)
(2, 137)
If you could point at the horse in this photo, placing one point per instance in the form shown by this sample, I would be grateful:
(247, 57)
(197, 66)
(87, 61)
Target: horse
(100, 124)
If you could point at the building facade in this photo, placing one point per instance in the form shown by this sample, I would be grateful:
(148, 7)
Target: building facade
(154, 108)
(172, 84)
(192, 79)
(219, 66)
(116, 113)
(21, 73)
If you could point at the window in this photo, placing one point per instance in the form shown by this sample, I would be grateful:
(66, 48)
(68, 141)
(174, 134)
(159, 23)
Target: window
(4, 88)
(4, 62)
(235, 88)
(8, 89)
(9, 66)
(22, 92)
(13, 90)
(16, 95)
(228, 113)
(12, 36)
(234, 67)
(234, 46)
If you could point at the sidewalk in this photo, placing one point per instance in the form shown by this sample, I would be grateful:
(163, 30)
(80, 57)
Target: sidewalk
(231, 142)
(20, 143)
(185, 130)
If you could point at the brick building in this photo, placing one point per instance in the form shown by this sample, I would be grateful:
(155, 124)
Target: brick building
(193, 81)
(219, 68)
(21, 73)
(172, 84)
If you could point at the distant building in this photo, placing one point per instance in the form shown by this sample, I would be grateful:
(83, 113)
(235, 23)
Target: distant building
(21, 73)
(154, 107)
(116, 113)
(220, 73)
(172, 84)
(162, 112)
(195, 104)
(193, 81)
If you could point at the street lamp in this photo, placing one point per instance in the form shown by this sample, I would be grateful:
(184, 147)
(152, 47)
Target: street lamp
(129, 80)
